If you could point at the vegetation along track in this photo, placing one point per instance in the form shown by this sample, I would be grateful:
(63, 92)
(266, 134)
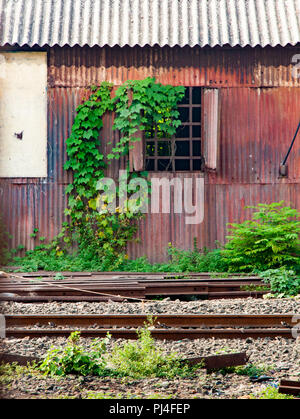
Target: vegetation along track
(166, 326)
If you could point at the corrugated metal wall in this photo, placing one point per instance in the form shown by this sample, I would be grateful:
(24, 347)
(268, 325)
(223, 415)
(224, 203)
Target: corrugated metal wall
(214, 67)
(260, 108)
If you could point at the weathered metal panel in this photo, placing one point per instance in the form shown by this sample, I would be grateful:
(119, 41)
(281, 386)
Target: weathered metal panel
(211, 127)
(25, 206)
(223, 204)
(62, 104)
(207, 67)
(231, 201)
(136, 147)
(260, 104)
(257, 127)
(156, 231)
(136, 153)
(279, 117)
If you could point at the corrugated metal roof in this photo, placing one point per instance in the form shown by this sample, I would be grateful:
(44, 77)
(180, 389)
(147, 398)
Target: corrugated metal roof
(141, 22)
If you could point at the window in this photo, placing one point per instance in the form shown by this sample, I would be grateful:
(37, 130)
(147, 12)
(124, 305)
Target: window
(184, 153)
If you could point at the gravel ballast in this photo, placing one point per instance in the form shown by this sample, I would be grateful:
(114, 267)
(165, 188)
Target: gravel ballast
(280, 356)
(230, 306)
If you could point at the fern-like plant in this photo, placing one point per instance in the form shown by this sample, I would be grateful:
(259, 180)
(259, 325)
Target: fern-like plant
(268, 241)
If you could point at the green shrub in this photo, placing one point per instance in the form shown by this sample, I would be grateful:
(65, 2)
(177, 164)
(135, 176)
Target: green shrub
(252, 370)
(268, 241)
(85, 258)
(80, 260)
(73, 359)
(283, 282)
(110, 395)
(270, 393)
(138, 359)
(195, 260)
(142, 358)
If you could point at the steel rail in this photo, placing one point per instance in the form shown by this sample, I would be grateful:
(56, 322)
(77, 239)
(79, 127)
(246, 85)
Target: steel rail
(31, 288)
(143, 281)
(165, 326)
(166, 320)
(127, 290)
(169, 334)
(289, 387)
(73, 289)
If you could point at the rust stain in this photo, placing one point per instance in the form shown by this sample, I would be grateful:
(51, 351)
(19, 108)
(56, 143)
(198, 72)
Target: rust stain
(260, 107)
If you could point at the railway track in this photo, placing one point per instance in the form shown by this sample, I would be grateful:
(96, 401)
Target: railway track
(166, 326)
(289, 387)
(93, 286)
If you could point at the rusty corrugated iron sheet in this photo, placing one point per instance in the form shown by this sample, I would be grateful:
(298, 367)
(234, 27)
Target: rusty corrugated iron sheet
(223, 204)
(260, 107)
(150, 22)
(257, 127)
(28, 205)
(210, 67)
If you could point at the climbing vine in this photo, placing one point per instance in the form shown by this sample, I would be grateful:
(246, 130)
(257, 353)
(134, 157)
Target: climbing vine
(84, 157)
(153, 109)
(139, 105)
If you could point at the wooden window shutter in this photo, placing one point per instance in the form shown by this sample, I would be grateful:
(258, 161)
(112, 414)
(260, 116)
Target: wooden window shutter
(211, 132)
(136, 153)
(136, 148)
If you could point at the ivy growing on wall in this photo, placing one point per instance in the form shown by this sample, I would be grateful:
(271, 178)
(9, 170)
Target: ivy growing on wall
(139, 105)
(84, 157)
(153, 107)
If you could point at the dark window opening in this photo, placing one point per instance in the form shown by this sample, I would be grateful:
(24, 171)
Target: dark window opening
(183, 153)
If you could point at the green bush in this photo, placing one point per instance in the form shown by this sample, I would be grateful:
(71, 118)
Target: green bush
(252, 370)
(79, 260)
(270, 393)
(85, 258)
(138, 359)
(269, 241)
(282, 282)
(142, 358)
(73, 359)
(110, 395)
(195, 260)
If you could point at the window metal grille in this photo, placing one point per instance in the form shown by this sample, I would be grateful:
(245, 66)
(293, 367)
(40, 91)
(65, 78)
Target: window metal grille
(184, 152)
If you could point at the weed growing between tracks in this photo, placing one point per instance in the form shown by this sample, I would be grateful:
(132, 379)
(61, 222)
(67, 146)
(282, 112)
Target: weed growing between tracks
(74, 360)
(143, 359)
(283, 282)
(249, 370)
(9, 372)
(139, 359)
(91, 395)
(270, 393)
